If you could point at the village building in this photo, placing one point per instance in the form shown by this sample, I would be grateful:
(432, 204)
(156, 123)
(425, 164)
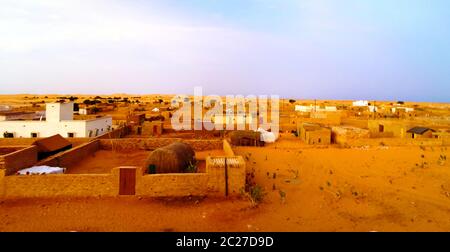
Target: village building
(420, 132)
(58, 120)
(18, 115)
(388, 127)
(154, 128)
(345, 134)
(360, 103)
(314, 134)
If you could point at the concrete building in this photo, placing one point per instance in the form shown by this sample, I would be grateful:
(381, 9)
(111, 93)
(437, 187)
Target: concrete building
(59, 120)
(13, 115)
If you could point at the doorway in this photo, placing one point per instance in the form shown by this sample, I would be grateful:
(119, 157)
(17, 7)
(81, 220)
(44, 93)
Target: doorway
(127, 184)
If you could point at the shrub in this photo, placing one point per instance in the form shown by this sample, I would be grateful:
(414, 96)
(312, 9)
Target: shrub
(255, 194)
(192, 167)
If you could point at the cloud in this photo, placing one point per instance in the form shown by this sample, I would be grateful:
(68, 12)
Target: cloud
(31, 25)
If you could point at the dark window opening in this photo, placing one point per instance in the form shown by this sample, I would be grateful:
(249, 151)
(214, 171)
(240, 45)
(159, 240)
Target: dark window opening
(8, 135)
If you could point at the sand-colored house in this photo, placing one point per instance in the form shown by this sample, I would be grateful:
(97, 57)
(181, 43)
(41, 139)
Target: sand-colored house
(420, 132)
(389, 127)
(154, 128)
(314, 134)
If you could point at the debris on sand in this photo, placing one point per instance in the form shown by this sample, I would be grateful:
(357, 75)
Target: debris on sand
(442, 159)
(282, 196)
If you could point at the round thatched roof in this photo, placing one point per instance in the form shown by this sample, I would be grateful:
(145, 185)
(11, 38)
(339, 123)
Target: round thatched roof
(173, 158)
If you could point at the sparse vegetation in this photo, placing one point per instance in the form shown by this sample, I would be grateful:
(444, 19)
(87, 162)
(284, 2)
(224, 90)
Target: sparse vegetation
(192, 167)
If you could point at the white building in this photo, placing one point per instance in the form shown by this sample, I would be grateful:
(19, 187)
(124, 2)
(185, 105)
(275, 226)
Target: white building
(312, 108)
(83, 111)
(406, 109)
(360, 103)
(373, 108)
(59, 120)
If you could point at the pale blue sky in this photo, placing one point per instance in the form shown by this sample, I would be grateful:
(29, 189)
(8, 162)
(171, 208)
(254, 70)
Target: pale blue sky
(324, 49)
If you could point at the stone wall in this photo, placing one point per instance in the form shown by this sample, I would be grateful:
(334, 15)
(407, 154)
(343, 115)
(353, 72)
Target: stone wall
(56, 185)
(173, 185)
(30, 141)
(343, 134)
(72, 156)
(218, 179)
(117, 133)
(227, 174)
(20, 159)
(130, 144)
(213, 182)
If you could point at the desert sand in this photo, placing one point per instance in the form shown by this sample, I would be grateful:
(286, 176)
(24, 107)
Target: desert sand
(378, 188)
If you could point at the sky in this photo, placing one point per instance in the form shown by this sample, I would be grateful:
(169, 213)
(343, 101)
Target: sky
(303, 49)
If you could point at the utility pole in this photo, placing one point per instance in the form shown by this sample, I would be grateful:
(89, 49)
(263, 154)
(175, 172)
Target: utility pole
(374, 110)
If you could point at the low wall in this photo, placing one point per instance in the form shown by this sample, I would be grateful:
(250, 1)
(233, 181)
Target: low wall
(359, 123)
(30, 141)
(227, 149)
(221, 178)
(129, 144)
(56, 185)
(117, 133)
(173, 185)
(4, 150)
(72, 156)
(381, 134)
(397, 142)
(20, 159)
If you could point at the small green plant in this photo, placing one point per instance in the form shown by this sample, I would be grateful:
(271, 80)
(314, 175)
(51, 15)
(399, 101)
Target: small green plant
(192, 167)
(255, 194)
(152, 169)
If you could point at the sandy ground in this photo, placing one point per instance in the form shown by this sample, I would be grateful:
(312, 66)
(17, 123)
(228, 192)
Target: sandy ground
(308, 189)
(103, 161)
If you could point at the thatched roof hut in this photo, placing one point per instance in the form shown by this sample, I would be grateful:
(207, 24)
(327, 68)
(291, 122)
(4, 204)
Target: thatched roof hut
(173, 158)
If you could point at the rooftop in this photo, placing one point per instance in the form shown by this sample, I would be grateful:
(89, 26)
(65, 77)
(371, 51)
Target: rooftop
(419, 130)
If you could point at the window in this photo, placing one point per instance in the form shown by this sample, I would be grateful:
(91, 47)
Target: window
(8, 135)
(96, 132)
(320, 140)
(71, 135)
(34, 135)
(380, 128)
(90, 133)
